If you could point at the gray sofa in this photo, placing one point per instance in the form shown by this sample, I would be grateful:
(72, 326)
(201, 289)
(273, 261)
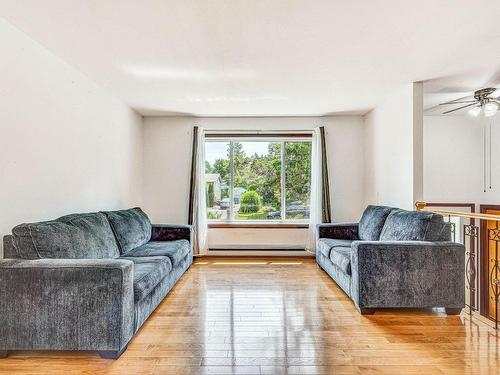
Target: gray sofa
(87, 281)
(394, 258)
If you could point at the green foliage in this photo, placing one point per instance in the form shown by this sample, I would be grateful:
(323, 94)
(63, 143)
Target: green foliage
(210, 195)
(251, 216)
(250, 202)
(262, 174)
(251, 197)
(213, 215)
(297, 171)
(249, 208)
(221, 166)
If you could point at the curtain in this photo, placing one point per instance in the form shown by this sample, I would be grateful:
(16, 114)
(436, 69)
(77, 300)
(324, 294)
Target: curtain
(325, 196)
(197, 216)
(316, 200)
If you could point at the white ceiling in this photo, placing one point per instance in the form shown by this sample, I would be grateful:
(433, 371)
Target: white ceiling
(256, 57)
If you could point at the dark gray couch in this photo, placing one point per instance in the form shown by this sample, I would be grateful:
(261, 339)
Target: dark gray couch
(87, 281)
(394, 258)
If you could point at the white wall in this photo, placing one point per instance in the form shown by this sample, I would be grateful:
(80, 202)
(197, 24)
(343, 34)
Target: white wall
(167, 160)
(453, 160)
(66, 145)
(393, 149)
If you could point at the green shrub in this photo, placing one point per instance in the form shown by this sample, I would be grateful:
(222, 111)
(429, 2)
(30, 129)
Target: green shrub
(214, 215)
(248, 208)
(253, 216)
(210, 195)
(250, 202)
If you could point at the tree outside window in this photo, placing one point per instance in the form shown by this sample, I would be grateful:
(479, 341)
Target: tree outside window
(258, 179)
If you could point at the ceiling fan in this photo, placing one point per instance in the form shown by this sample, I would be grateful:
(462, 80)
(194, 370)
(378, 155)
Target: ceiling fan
(486, 101)
(483, 103)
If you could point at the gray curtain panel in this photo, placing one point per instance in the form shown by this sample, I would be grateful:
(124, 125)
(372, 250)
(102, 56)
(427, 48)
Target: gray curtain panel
(194, 158)
(326, 214)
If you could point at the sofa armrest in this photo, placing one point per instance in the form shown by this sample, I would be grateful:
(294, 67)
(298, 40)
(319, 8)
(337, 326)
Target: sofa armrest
(171, 232)
(9, 251)
(339, 231)
(71, 304)
(408, 274)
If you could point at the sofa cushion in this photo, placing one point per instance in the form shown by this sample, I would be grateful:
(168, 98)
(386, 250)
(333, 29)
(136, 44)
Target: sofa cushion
(439, 230)
(325, 245)
(403, 225)
(148, 273)
(175, 250)
(372, 222)
(132, 228)
(341, 257)
(72, 236)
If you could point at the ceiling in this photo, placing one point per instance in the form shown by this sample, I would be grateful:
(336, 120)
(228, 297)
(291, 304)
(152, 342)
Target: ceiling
(256, 57)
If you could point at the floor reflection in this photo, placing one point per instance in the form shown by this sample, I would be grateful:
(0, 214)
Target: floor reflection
(287, 317)
(276, 317)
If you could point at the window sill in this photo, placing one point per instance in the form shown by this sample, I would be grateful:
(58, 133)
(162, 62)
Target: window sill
(260, 225)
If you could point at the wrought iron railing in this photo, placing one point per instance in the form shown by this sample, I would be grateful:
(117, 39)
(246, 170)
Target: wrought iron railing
(470, 238)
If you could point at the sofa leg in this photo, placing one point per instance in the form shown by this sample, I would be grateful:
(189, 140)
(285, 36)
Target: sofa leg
(366, 311)
(3, 353)
(453, 310)
(111, 354)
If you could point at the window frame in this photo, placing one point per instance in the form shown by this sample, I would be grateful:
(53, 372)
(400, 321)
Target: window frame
(259, 137)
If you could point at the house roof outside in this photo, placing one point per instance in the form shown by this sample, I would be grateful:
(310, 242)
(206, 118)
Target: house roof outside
(212, 177)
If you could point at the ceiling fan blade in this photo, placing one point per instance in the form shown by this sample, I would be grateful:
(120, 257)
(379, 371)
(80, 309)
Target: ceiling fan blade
(435, 108)
(459, 108)
(495, 94)
(432, 109)
(460, 102)
(465, 97)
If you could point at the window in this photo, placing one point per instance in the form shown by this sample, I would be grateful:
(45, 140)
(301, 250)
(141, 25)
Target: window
(258, 178)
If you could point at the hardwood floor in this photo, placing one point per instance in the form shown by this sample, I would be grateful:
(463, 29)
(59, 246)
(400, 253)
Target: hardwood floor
(255, 316)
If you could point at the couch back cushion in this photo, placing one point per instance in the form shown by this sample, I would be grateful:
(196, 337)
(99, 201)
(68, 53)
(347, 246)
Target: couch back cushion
(372, 222)
(402, 225)
(132, 228)
(86, 236)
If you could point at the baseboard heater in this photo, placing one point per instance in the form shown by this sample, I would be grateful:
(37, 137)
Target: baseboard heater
(252, 247)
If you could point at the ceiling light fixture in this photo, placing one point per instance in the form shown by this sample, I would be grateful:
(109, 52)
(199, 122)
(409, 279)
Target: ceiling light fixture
(490, 109)
(474, 112)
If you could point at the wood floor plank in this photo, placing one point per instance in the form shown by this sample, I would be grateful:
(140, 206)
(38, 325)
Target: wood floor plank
(271, 316)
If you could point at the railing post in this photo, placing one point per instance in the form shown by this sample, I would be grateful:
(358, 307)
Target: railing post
(471, 231)
(494, 235)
